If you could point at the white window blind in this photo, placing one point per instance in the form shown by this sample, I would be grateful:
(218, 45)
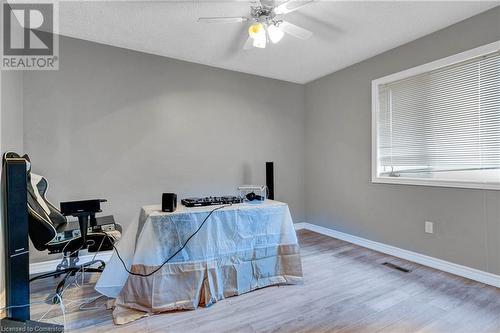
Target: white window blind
(442, 124)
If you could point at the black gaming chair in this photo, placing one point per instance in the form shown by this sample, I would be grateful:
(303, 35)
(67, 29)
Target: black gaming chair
(50, 230)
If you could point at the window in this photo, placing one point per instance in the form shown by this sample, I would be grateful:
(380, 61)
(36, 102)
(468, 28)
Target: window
(439, 123)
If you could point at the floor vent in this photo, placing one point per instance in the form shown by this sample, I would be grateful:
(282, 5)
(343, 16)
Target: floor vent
(399, 268)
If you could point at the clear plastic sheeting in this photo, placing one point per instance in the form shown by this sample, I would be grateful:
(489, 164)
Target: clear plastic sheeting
(240, 248)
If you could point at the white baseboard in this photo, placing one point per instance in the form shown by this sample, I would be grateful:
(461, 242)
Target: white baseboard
(50, 265)
(443, 265)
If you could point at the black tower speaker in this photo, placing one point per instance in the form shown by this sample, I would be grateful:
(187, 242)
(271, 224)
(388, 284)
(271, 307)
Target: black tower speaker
(270, 179)
(15, 217)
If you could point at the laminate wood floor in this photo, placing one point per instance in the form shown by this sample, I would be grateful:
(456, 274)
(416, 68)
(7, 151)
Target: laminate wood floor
(347, 289)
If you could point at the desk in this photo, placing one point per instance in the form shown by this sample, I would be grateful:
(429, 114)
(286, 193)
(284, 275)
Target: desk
(240, 248)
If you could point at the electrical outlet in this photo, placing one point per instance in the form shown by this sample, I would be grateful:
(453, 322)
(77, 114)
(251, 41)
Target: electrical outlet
(429, 227)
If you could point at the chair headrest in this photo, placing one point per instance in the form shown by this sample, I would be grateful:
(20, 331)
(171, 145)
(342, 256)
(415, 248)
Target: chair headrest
(11, 154)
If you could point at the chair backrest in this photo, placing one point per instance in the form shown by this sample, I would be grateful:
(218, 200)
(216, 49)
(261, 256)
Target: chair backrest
(44, 218)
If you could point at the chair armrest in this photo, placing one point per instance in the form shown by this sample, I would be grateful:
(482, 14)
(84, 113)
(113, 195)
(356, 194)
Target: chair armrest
(85, 211)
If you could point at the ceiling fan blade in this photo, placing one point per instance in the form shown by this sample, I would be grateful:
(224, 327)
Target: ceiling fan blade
(237, 19)
(291, 6)
(248, 44)
(295, 30)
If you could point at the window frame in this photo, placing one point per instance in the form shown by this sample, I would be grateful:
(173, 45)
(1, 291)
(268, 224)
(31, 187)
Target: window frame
(447, 61)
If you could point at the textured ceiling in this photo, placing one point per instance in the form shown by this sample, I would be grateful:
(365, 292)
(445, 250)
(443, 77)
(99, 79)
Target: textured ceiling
(345, 32)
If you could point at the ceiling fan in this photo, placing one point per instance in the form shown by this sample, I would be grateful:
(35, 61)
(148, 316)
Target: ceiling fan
(267, 23)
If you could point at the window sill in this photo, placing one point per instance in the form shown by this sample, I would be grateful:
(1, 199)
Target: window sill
(435, 182)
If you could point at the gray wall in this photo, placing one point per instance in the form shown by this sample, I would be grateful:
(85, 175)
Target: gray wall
(339, 192)
(127, 126)
(12, 111)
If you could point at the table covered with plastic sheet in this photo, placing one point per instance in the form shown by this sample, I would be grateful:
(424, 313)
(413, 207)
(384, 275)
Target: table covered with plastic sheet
(240, 248)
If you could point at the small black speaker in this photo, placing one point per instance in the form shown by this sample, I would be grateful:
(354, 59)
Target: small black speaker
(270, 179)
(168, 202)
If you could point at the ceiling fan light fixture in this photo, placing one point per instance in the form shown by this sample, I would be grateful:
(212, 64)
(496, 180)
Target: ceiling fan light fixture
(265, 26)
(275, 33)
(257, 32)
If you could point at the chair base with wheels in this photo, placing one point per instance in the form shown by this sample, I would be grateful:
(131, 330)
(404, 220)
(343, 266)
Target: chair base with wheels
(94, 241)
(69, 267)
